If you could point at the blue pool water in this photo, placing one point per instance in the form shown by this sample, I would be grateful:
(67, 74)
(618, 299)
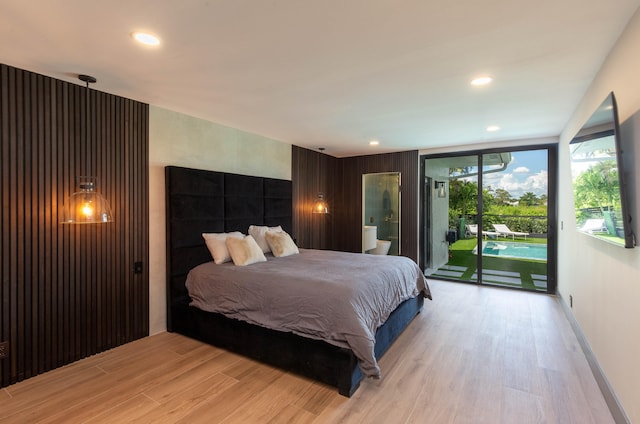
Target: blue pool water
(507, 249)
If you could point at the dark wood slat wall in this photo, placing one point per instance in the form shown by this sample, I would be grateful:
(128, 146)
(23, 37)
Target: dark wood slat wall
(69, 291)
(341, 180)
(313, 172)
(349, 230)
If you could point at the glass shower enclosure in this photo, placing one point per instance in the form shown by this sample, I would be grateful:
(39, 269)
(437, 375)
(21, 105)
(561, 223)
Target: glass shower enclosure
(381, 213)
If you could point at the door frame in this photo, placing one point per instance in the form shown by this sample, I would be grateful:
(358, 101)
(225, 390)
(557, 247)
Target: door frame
(552, 206)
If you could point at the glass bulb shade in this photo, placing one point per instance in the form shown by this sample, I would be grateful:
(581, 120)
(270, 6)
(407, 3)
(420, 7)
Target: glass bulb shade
(86, 207)
(442, 193)
(320, 206)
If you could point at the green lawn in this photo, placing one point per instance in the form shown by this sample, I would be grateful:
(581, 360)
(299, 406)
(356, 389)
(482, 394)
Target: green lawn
(462, 255)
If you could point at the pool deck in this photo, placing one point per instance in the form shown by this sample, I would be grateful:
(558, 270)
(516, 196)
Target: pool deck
(500, 270)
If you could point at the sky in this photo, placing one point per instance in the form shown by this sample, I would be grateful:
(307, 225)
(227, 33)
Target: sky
(527, 172)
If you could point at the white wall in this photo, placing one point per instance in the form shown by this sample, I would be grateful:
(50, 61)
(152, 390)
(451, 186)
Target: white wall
(604, 280)
(439, 219)
(181, 140)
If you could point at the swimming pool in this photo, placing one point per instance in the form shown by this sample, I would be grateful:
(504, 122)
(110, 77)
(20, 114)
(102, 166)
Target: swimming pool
(506, 249)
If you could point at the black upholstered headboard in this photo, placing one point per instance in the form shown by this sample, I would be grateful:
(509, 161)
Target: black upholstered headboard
(199, 201)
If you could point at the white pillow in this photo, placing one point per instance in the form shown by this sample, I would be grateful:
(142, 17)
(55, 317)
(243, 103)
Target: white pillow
(281, 243)
(257, 232)
(217, 247)
(244, 251)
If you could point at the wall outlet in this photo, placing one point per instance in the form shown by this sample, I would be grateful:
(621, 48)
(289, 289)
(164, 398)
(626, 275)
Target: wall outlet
(4, 349)
(137, 267)
(570, 301)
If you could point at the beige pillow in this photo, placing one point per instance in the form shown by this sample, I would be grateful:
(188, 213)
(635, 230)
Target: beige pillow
(245, 251)
(217, 246)
(258, 231)
(281, 243)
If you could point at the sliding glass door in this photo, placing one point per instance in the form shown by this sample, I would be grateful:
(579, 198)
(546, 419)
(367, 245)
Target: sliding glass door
(494, 227)
(451, 187)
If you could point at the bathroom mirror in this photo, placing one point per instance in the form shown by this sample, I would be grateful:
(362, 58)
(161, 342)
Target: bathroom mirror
(381, 213)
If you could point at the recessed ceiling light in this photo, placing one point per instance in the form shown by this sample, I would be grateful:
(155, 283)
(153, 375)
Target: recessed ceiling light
(492, 128)
(146, 38)
(484, 80)
(374, 143)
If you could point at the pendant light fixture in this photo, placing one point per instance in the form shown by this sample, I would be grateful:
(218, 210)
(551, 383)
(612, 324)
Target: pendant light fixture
(320, 205)
(86, 206)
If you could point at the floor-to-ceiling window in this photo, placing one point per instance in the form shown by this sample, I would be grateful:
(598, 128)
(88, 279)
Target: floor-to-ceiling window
(488, 217)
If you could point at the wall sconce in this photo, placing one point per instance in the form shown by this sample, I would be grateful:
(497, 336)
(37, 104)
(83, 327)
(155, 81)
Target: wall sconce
(320, 205)
(440, 186)
(86, 206)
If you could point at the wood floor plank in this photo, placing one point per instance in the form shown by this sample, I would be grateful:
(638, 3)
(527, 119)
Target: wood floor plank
(126, 387)
(315, 398)
(33, 404)
(164, 391)
(4, 395)
(129, 410)
(184, 402)
(238, 397)
(521, 407)
(474, 355)
(269, 403)
(292, 414)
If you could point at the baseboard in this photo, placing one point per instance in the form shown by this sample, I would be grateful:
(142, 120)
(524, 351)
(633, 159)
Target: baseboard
(619, 416)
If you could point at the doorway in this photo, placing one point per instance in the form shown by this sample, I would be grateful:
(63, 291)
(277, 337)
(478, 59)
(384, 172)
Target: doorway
(488, 217)
(381, 213)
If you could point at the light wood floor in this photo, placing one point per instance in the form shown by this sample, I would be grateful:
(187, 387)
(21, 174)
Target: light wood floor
(474, 355)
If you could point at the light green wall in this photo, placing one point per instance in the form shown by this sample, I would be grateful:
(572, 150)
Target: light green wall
(182, 140)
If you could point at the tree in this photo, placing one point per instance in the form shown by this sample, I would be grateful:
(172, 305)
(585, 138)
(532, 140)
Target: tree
(488, 200)
(598, 187)
(502, 197)
(463, 196)
(529, 199)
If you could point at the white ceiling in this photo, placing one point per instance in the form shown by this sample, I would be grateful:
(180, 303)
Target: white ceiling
(332, 73)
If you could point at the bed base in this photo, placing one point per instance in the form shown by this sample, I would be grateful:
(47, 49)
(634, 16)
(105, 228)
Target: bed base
(318, 360)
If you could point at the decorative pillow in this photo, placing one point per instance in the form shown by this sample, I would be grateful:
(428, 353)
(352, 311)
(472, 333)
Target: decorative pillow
(281, 243)
(245, 251)
(217, 246)
(258, 231)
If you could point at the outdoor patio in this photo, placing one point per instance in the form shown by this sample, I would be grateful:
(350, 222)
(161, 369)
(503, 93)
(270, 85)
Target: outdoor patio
(529, 274)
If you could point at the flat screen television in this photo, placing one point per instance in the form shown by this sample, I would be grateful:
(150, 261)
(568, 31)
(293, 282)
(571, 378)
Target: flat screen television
(599, 191)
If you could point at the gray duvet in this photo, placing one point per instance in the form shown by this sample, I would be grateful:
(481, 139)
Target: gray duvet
(338, 297)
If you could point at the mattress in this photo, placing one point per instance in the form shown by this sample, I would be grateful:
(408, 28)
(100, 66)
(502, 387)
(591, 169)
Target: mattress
(338, 297)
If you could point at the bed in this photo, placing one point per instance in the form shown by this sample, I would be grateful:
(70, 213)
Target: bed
(201, 201)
